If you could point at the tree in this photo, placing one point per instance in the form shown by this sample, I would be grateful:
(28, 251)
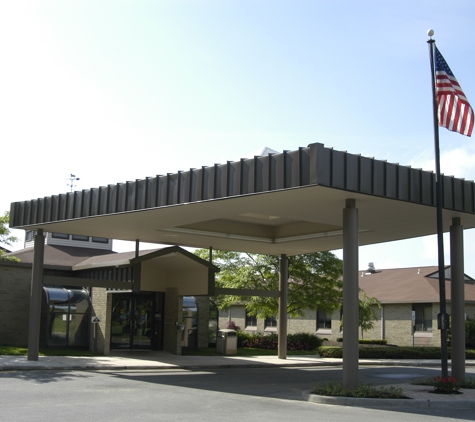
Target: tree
(367, 313)
(5, 237)
(314, 281)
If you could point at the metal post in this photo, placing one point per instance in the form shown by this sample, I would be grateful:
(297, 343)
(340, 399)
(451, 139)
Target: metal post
(350, 295)
(442, 318)
(35, 297)
(283, 288)
(458, 299)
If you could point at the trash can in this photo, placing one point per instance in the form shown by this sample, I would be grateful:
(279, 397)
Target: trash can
(226, 342)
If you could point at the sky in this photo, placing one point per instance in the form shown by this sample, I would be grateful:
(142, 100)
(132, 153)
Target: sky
(113, 91)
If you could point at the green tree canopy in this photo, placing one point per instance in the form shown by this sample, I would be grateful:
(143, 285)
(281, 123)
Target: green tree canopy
(5, 236)
(314, 281)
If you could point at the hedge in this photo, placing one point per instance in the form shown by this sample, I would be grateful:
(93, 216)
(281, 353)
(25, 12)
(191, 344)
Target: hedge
(298, 341)
(391, 352)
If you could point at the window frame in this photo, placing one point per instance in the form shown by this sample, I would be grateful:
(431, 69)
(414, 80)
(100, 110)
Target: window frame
(80, 238)
(251, 322)
(327, 320)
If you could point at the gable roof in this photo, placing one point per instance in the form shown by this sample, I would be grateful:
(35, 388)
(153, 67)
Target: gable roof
(409, 285)
(128, 258)
(64, 257)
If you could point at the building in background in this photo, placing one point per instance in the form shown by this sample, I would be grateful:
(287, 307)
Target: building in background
(408, 315)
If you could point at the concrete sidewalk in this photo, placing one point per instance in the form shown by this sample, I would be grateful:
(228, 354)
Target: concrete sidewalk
(420, 395)
(164, 360)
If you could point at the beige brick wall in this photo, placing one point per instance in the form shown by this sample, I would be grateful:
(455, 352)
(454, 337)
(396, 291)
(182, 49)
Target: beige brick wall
(15, 284)
(236, 313)
(102, 308)
(304, 324)
(376, 332)
(398, 324)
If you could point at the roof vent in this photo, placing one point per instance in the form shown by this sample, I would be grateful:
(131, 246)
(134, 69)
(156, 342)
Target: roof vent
(371, 268)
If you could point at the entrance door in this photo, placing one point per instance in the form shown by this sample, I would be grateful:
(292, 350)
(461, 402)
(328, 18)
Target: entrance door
(133, 323)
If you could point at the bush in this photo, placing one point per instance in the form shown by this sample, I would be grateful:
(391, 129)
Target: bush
(381, 342)
(303, 341)
(231, 325)
(362, 391)
(330, 351)
(390, 352)
(299, 341)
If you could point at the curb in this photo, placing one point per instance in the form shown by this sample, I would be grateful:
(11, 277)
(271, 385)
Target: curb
(393, 403)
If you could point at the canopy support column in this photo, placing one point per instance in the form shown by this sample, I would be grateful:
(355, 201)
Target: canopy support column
(350, 295)
(35, 297)
(458, 299)
(283, 288)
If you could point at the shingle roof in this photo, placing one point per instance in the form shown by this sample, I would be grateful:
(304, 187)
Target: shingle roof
(60, 256)
(409, 285)
(122, 258)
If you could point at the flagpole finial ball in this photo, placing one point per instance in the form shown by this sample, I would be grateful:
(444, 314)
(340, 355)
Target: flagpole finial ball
(430, 32)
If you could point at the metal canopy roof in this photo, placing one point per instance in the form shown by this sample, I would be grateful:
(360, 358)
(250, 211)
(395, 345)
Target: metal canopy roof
(287, 203)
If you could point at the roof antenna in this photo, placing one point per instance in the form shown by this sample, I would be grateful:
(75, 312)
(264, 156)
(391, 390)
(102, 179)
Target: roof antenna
(72, 178)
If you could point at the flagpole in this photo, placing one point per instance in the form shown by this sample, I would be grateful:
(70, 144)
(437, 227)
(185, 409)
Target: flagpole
(442, 317)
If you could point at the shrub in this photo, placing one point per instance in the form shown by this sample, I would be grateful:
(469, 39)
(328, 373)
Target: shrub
(446, 384)
(330, 351)
(468, 382)
(390, 352)
(362, 391)
(303, 341)
(231, 325)
(299, 341)
(381, 342)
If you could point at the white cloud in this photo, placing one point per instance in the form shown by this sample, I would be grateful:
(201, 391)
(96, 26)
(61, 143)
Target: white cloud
(458, 162)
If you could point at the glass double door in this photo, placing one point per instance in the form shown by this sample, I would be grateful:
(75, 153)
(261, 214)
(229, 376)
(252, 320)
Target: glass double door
(136, 324)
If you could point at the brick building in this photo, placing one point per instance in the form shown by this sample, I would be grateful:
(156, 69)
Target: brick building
(408, 315)
(141, 300)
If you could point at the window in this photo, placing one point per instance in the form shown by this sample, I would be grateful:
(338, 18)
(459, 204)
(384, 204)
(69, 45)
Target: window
(60, 235)
(423, 315)
(251, 320)
(271, 322)
(81, 238)
(30, 234)
(100, 240)
(324, 320)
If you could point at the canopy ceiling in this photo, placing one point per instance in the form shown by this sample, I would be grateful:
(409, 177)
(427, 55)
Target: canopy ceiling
(288, 203)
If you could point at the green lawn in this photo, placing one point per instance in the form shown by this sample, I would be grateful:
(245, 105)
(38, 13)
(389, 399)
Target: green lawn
(23, 351)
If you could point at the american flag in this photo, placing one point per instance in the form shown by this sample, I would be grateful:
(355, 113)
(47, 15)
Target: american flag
(454, 110)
